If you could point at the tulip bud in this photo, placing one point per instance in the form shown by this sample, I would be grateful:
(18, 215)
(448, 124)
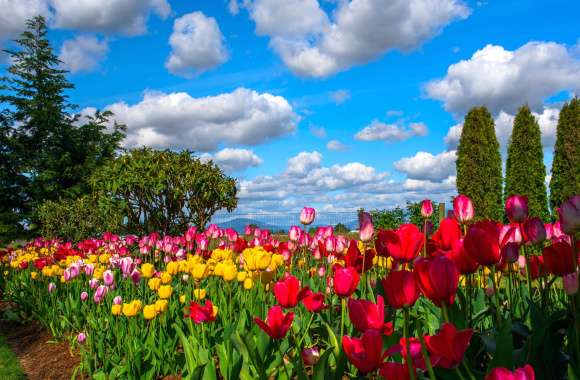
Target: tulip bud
(117, 300)
(307, 215)
(426, 208)
(81, 337)
(136, 276)
(51, 287)
(366, 228)
(248, 230)
(93, 283)
(489, 291)
(89, 269)
(108, 277)
(534, 230)
(516, 208)
(463, 209)
(84, 296)
(294, 233)
(569, 214)
(570, 282)
(310, 356)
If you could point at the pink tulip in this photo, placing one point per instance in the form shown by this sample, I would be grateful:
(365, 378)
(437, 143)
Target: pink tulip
(108, 278)
(51, 287)
(310, 356)
(534, 230)
(93, 283)
(570, 283)
(248, 230)
(81, 337)
(84, 296)
(89, 270)
(516, 208)
(463, 209)
(231, 235)
(294, 233)
(307, 215)
(135, 276)
(100, 294)
(569, 214)
(426, 208)
(117, 300)
(366, 228)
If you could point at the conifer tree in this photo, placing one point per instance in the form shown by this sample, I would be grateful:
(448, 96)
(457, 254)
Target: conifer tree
(525, 169)
(565, 180)
(479, 171)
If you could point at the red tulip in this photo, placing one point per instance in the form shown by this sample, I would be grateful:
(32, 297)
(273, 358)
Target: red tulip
(401, 289)
(364, 353)
(287, 292)
(345, 281)
(449, 345)
(366, 315)
(482, 243)
(277, 323)
(438, 279)
(516, 208)
(559, 259)
(313, 302)
(535, 266)
(426, 208)
(354, 258)
(464, 263)
(569, 214)
(405, 243)
(463, 209)
(534, 230)
(200, 314)
(414, 349)
(449, 231)
(391, 370)
(524, 373)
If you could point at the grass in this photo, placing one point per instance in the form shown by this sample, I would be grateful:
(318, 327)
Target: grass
(9, 366)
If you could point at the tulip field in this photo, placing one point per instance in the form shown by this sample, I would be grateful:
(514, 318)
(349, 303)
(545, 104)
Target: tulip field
(473, 299)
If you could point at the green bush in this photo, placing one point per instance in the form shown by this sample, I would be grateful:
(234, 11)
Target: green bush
(77, 219)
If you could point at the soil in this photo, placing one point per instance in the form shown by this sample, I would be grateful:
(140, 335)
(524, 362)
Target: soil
(41, 358)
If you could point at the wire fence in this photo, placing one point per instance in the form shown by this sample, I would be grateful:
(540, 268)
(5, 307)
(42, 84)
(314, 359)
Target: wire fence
(278, 222)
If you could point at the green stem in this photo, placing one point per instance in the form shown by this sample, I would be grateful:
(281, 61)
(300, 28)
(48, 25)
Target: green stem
(444, 312)
(427, 358)
(577, 329)
(342, 313)
(282, 358)
(408, 344)
(299, 346)
(495, 295)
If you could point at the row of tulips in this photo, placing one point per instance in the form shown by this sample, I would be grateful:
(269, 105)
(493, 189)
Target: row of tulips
(474, 299)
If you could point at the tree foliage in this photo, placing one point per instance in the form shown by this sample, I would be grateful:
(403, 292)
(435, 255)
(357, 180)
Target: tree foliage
(525, 169)
(48, 152)
(163, 191)
(565, 180)
(388, 219)
(479, 171)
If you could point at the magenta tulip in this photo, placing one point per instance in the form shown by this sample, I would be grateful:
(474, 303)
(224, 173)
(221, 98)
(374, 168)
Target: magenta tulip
(463, 209)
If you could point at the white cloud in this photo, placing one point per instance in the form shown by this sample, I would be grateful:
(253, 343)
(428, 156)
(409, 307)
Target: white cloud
(83, 53)
(426, 166)
(304, 162)
(232, 160)
(107, 16)
(547, 119)
(312, 45)
(196, 45)
(340, 96)
(317, 131)
(177, 120)
(390, 132)
(504, 80)
(14, 13)
(233, 7)
(336, 145)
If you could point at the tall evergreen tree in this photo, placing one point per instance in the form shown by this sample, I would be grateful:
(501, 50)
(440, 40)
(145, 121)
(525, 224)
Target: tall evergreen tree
(54, 149)
(479, 171)
(565, 180)
(525, 169)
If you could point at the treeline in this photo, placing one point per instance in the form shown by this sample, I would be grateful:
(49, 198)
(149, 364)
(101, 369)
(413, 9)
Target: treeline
(66, 175)
(479, 163)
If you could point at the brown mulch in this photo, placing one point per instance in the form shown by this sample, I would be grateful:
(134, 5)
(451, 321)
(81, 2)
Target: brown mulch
(40, 357)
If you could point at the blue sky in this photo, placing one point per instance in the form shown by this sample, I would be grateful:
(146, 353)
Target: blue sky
(337, 104)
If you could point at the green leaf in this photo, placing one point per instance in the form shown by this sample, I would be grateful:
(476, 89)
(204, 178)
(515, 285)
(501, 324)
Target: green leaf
(504, 346)
(321, 368)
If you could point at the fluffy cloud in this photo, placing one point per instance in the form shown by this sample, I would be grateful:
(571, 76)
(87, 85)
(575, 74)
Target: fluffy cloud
(83, 53)
(504, 80)
(340, 96)
(547, 119)
(196, 45)
(177, 120)
(336, 145)
(107, 16)
(306, 181)
(390, 132)
(232, 160)
(312, 45)
(426, 166)
(317, 131)
(14, 13)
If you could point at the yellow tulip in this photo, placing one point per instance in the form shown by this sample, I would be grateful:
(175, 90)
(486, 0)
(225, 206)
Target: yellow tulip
(172, 267)
(116, 309)
(149, 312)
(263, 260)
(165, 278)
(154, 283)
(182, 298)
(198, 271)
(199, 293)
(161, 306)
(132, 308)
(165, 291)
(33, 275)
(230, 273)
(147, 270)
(242, 276)
(248, 283)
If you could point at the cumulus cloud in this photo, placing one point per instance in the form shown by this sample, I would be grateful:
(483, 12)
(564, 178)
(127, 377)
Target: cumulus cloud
(336, 145)
(83, 53)
(313, 45)
(107, 16)
(197, 44)
(504, 80)
(340, 96)
(426, 166)
(390, 132)
(178, 120)
(14, 13)
(547, 119)
(233, 7)
(233, 160)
